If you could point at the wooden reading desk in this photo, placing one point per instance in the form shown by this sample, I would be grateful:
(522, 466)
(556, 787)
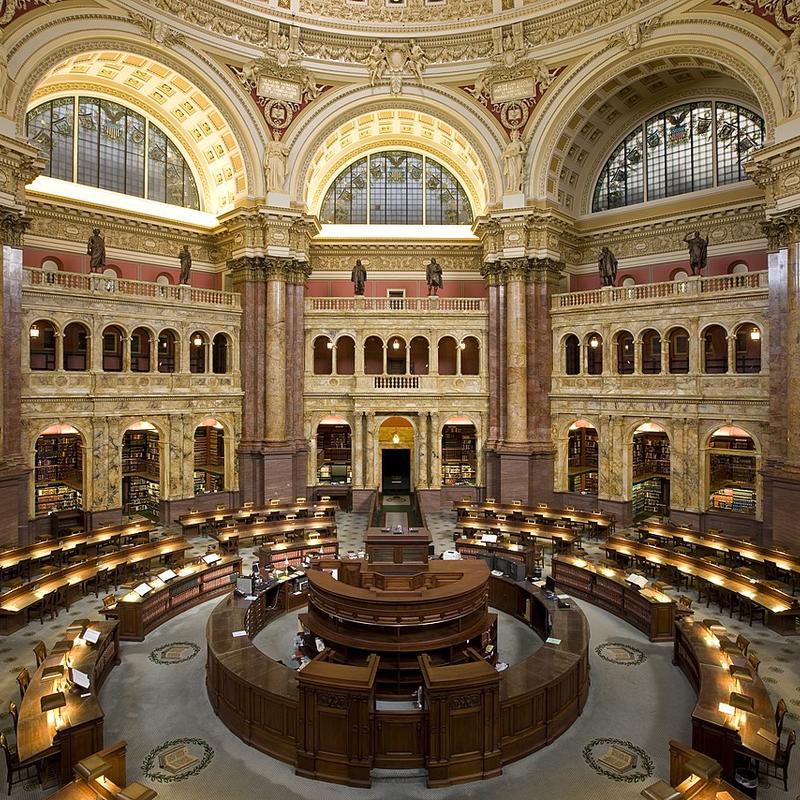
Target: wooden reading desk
(246, 515)
(595, 520)
(561, 538)
(781, 609)
(75, 731)
(230, 535)
(715, 732)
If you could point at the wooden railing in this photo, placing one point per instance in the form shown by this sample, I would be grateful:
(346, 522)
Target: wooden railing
(108, 285)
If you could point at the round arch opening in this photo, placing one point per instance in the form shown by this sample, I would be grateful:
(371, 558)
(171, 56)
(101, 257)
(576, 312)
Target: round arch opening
(334, 465)
(141, 470)
(396, 446)
(650, 490)
(58, 470)
(732, 468)
(209, 457)
(582, 458)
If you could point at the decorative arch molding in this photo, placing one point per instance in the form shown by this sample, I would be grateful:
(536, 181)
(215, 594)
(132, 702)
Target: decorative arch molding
(344, 107)
(551, 127)
(45, 46)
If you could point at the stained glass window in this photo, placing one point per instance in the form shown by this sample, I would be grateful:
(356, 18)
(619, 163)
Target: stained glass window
(396, 187)
(117, 149)
(683, 149)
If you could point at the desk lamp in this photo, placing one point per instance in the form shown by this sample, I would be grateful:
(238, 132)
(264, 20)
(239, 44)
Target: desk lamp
(136, 791)
(54, 702)
(92, 768)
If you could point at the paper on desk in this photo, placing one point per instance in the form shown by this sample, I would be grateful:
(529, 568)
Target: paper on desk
(562, 596)
(249, 597)
(552, 640)
(237, 634)
(539, 583)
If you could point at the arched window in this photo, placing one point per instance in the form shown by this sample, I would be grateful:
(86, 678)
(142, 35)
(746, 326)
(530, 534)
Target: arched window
(572, 355)
(219, 354)
(396, 356)
(679, 351)
(732, 471)
(76, 347)
(396, 187)
(447, 355)
(345, 356)
(113, 344)
(166, 351)
(42, 346)
(373, 356)
(748, 348)
(470, 356)
(118, 149)
(715, 350)
(140, 350)
(624, 353)
(198, 346)
(420, 355)
(651, 352)
(323, 355)
(594, 354)
(686, 148)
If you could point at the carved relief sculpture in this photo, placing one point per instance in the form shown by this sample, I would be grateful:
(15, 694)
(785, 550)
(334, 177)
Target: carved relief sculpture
(377, 63)
(513, 162)
(787, 59)
(275, 155)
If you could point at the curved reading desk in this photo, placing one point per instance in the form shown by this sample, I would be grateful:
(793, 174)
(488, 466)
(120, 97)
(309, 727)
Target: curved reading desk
(305, 717)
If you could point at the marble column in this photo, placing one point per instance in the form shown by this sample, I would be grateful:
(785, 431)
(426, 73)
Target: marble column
(276, 365)
(14, 473)
(357, 450)
(782, 468)
(516, 351)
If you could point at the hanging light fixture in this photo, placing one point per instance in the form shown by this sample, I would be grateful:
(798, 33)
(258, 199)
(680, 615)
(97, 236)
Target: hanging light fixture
(594, 342)
(396, 344)
(462, 346)
(396, 438)
(198, 340)
(755, 334)
(329, 344)
(34, 331)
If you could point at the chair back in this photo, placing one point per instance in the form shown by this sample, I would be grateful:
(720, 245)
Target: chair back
(780, 713)
(109, 600)
(8, 754)
(743, 644)
(787, 751)
(23, 679)
(14, 713)
(40, 651)
(754, 661)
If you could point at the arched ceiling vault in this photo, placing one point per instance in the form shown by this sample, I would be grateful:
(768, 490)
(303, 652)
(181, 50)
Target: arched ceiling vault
(603, 100)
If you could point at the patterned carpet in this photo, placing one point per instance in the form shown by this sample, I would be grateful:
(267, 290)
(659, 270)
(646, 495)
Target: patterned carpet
(156, 701)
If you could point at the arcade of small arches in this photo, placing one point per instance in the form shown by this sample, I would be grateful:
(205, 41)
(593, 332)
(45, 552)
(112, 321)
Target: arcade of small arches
(73, 347)
(714, 350)
(395, 355)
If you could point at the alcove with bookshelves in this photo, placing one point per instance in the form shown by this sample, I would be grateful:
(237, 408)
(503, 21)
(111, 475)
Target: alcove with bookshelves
(141, 471)
(459, 456)
(651, 472)
(209, 457)
(582, 455)
(732, 471)
(58, 470)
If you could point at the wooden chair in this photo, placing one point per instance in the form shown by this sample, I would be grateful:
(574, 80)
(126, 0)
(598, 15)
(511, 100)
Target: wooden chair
(780, 713)
(754, 661)
(23, 681)
(15, 767)
(751, 609)
(13, 712)
(109, 608)
(40, 651)
(782, 759)
(743, 644)
(684, 606)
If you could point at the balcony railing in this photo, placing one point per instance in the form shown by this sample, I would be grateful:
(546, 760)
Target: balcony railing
(105, 286)
(692, 286)
(400, 304)
(396, 382)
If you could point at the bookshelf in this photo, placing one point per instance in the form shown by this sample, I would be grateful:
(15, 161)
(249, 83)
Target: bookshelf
(650, 496)
(582, 460)
(732, 474)
(58, 482)
(334, 455)
(459, 460)
(141, 492)
(650, 455)
(209, 459)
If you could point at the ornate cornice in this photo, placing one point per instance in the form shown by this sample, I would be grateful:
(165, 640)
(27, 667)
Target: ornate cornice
(546, 270)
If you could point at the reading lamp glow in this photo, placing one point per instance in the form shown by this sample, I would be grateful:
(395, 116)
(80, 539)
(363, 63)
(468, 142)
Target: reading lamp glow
(197, 341)
(34, 331)
(755, 334)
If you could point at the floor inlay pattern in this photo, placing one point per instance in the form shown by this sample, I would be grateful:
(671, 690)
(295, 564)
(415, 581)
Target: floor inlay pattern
(618, 759)
(177, 759)
(618, 653)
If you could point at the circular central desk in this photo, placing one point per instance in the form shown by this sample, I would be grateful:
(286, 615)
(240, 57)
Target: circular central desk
(325, 721)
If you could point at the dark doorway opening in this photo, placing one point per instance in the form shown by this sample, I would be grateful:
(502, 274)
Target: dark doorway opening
(396, 472)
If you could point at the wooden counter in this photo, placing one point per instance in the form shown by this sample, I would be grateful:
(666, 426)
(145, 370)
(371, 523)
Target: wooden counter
(526, 554)
(195, 583)
(714, 732)
(82, 731)
(539, 698)
(651, 611)
(384, 547)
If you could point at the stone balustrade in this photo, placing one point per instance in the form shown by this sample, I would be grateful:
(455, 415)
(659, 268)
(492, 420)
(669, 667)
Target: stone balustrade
(383, 305)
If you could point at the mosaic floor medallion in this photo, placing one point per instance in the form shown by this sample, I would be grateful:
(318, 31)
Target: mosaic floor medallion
(617, 653)
(177, 759)
(396, 500)
(618, 759)
(174, 653)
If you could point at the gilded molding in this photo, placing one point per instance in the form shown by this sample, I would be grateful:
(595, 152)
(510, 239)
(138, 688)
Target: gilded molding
(782, 231)
(13, 225)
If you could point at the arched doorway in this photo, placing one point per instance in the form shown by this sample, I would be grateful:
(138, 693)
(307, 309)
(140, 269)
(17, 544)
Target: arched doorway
(582, 457)
(141, 470)
(209, 457)
(58, 465)
(651, 471)
(459, 458)
(334, 452)
(732, 471)
(396, 444)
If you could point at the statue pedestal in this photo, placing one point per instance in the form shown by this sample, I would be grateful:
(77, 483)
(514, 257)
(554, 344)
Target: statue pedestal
(358, 302)
(433, 301)
(278, 199)
(514, 200)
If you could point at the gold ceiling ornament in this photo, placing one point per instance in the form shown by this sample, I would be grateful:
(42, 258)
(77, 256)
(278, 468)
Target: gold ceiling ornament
(393, 60)
(632, 36)
(786, 13)
(10, 8)
(156, 30)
